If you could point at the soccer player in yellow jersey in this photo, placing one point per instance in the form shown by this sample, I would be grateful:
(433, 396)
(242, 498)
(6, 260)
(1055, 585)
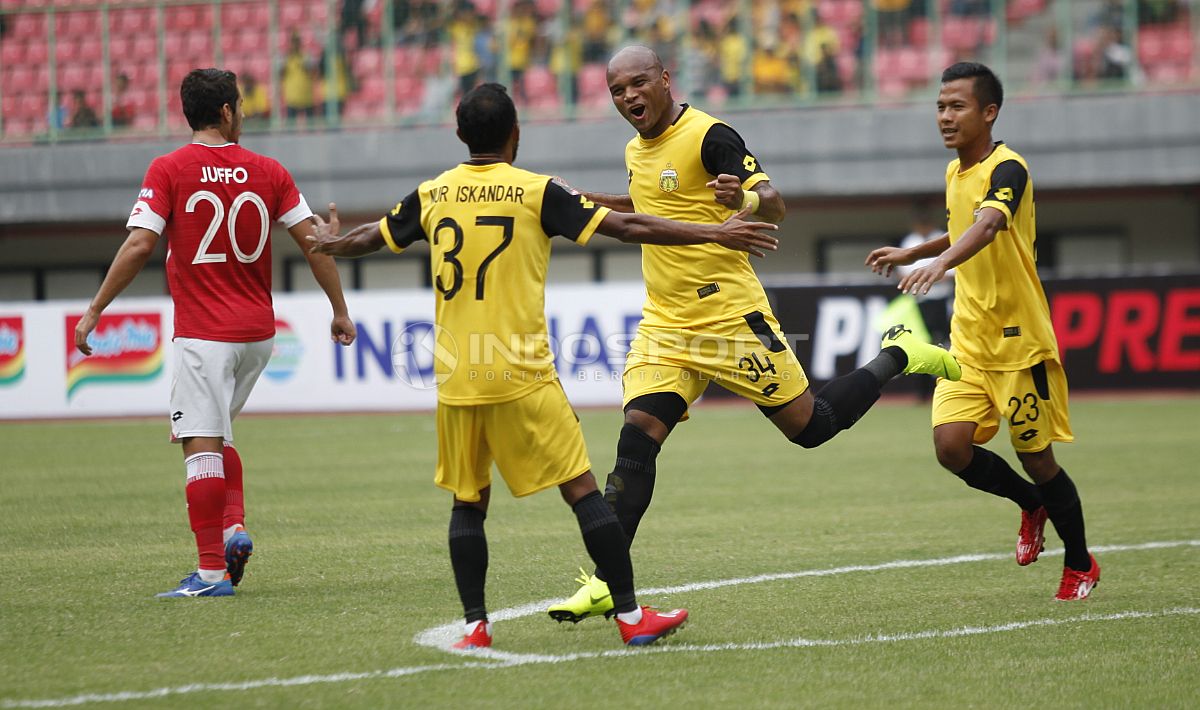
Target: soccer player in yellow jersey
(489, 226)
(706, 316)
(1001, 331)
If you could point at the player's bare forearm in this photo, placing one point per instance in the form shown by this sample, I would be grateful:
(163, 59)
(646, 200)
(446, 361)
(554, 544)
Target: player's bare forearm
(617, 203)
(977, 236)
(929, 249)
(735, 233)
(360, 241)
(770, 207)
(127, 264)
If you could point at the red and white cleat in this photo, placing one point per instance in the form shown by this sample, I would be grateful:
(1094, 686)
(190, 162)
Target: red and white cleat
(1031, 539)
(478, 637)
(1076, 584)
(654, 625)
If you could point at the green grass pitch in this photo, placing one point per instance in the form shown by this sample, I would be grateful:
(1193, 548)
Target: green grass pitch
(351, 566)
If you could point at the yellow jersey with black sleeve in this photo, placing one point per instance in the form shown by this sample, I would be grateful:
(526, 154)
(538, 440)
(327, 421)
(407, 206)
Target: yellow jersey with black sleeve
(692, 285)
(1001, 317)
(489, 227)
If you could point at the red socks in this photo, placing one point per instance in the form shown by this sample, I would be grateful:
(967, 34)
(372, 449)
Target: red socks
(235, 502)
(206, 504)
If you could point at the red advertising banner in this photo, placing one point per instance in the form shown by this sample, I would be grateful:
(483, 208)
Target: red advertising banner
(126, 347)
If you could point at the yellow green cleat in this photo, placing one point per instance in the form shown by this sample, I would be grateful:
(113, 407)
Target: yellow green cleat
(923, 358)
(592, 599)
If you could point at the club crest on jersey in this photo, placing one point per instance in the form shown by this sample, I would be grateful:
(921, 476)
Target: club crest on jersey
(668, 179)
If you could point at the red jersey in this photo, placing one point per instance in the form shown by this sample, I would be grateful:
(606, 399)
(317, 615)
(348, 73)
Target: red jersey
(215, 204)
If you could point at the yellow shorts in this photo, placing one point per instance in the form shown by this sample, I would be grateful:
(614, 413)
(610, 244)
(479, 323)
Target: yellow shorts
(535, 442)
(745, 355)
(1033, 400)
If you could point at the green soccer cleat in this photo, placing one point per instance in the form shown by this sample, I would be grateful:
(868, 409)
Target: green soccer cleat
(592, 599)
(923, 358)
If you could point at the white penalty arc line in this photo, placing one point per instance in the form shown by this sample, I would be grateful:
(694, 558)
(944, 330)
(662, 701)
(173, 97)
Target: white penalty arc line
(489, 659)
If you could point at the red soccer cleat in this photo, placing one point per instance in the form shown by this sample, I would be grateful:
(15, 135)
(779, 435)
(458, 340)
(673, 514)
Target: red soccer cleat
(1076, 584)
(654, 625)
(480, 637)
(1030, 538)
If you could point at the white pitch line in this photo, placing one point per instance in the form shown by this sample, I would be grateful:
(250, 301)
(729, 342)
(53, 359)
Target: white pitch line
(441, 637)
(490, 659)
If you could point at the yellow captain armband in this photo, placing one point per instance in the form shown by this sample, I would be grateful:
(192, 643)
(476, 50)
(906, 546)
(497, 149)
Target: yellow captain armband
(750, 199)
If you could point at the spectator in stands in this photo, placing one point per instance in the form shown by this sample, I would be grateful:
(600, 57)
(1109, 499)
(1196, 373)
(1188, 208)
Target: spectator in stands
(1049, 64)
(353, 20)
(123, 106)
(701, 57)
(566, 57)
(336, 79)
(462, 29)
(520, 34)
(256, 103)
(1112, 14)
(732, 50)
(817, 38)
(1114, 56)
(828, 75)
(298, 80)
(771, 72)
(83, 116)
(893, 16)
(597, 23)
(968, 8)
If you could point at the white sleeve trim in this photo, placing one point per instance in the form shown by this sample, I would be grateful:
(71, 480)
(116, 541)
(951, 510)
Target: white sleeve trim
(143, 216)
(296, 215)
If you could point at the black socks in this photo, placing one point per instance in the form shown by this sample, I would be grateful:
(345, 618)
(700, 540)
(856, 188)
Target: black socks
(1066, 512)
(469, 558)
(989, 473)
(608, 547)
(890, 362)
(842, 402)
(631, 483)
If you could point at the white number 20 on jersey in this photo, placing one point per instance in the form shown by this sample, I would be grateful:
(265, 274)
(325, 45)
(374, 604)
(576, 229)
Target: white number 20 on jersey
(202, 254)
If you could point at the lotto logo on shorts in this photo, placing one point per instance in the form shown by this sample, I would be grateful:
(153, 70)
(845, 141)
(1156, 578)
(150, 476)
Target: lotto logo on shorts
(125, 347)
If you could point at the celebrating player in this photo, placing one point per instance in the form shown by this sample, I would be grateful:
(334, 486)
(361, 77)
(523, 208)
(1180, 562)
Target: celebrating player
(215, 201)
(706, 316)
(1001, 330)
(489, 226)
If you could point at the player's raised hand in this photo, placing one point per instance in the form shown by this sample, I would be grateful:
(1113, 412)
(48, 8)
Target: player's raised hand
(919, 281)
(83, 329)
(884, 259)
(327, 232)
(727, 191)
(739, 235)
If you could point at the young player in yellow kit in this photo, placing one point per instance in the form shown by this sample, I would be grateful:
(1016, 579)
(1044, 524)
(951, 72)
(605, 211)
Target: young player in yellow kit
(706, 316)
(489, 226)
(1001, 331)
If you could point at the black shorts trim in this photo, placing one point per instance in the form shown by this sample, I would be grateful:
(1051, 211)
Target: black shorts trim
(770, 339)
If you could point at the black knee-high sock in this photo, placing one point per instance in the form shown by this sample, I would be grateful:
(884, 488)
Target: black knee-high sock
(1066, 512)
(469, 557)
(839, 405)
(608, 547)
(989, 473)
(631, 484)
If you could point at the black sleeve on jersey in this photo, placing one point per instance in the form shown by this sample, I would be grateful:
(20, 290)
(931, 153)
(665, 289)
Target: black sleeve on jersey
(404, 222)
(1008, 184)
(724, 151)
(565, 212)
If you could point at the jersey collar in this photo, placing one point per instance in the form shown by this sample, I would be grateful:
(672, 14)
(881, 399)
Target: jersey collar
(670, 129)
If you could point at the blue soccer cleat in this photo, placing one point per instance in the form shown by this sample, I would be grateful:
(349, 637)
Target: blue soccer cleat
(237, 552)
(193, 586)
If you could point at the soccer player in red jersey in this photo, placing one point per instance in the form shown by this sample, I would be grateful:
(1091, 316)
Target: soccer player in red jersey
(215, 201)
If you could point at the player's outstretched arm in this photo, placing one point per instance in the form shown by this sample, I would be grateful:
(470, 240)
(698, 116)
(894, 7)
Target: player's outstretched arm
(128, 262)
(977, 236)
(616, 203)
(360, 241)
(884, 259)
(734, 233)
(324, 270)
(766, 203)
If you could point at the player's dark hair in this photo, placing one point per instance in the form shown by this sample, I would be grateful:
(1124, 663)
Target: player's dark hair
(988, 89)
(204, 92)
(486, 116)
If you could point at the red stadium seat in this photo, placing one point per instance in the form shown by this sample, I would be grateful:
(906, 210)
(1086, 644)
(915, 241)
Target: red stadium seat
(368, 61)
(188, 17)
(12, 51)
(131, 22)
(66, 50)
(292, 14)
(91, 49)
(198, 47)
(1021, 10)
(371, 89)
(37, 52)
(28, 26)
(593, 86)
(911, 65)
(548, 8)
(1179, 44)
(77, 24)
(918, 32)
(541, 88)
